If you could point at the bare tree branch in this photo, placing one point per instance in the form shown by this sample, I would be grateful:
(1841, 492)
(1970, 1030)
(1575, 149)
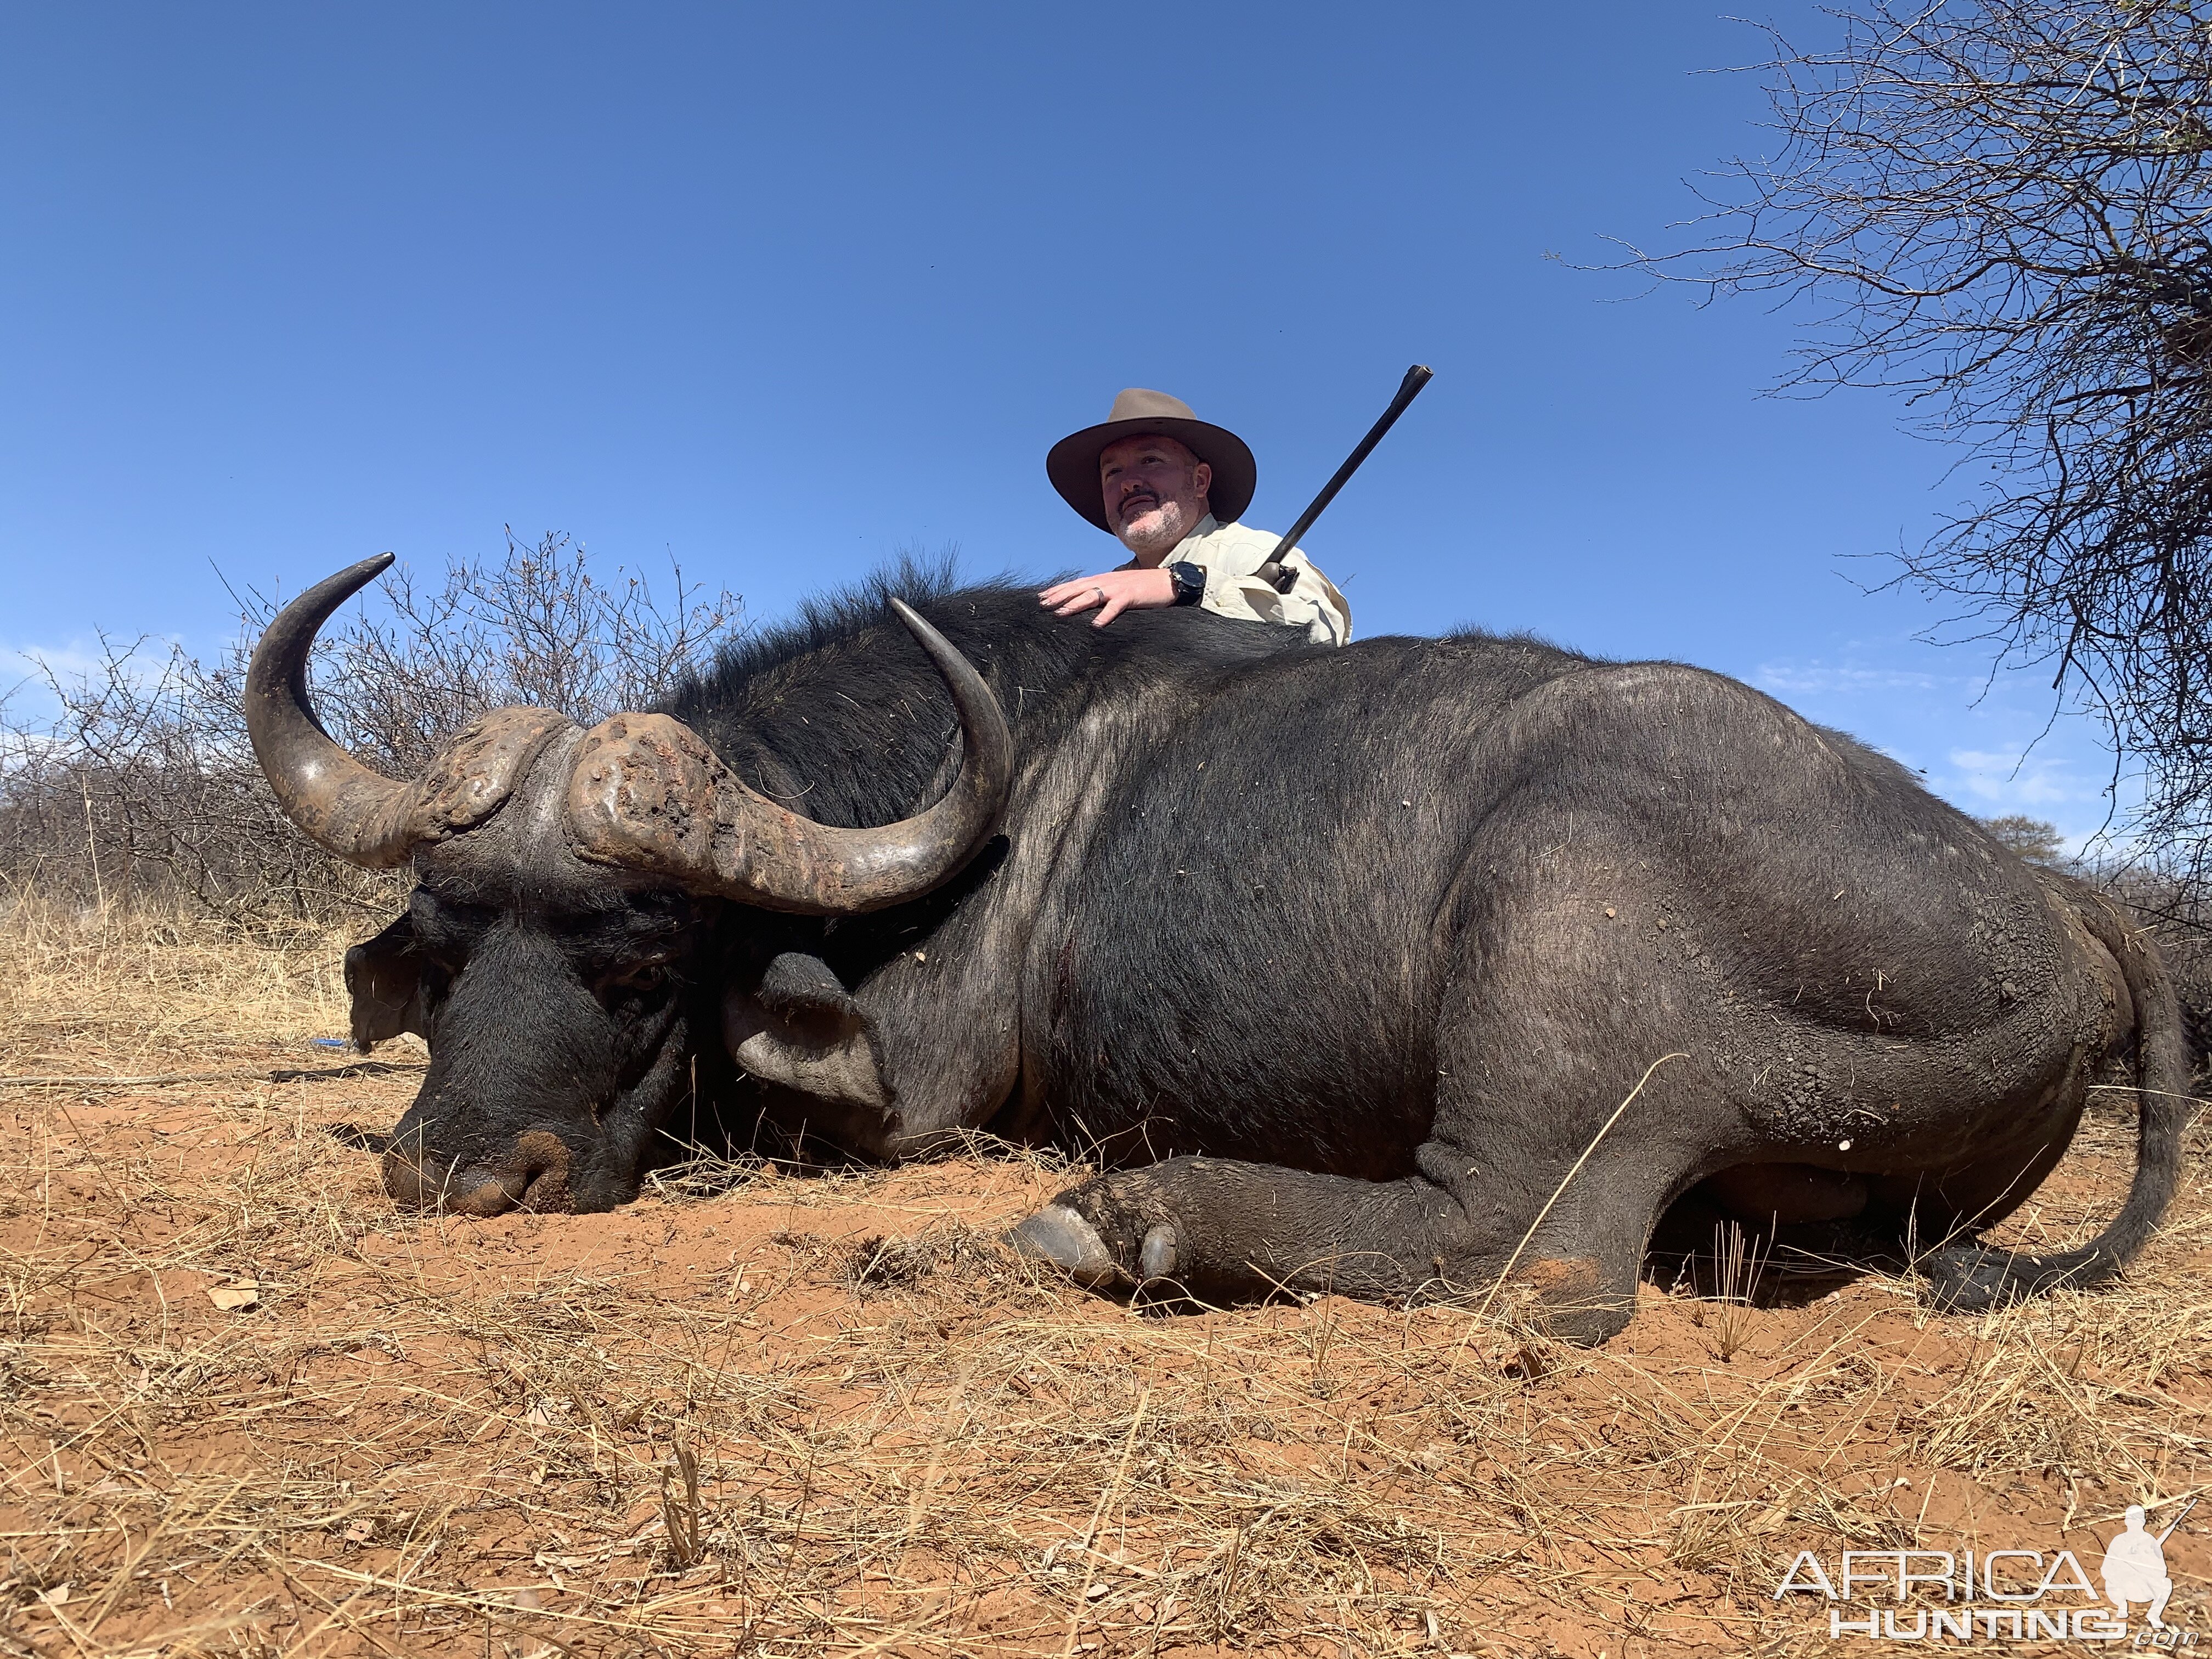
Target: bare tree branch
(2003, 208)
(143, 781)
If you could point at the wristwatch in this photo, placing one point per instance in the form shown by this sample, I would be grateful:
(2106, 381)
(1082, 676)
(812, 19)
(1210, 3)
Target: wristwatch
(1189, 582)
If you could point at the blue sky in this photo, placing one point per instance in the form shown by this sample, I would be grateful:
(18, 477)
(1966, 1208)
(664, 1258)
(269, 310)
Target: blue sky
(781, 291)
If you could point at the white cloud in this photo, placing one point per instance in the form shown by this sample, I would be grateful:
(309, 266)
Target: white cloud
(1815, 678)
(2010, 781)
(1989, 744)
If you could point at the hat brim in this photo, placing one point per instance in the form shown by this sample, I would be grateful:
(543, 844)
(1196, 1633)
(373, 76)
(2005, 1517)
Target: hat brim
(1073, 463)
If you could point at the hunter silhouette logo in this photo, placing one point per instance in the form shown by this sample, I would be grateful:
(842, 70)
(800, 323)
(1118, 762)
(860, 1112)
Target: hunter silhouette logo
(2135, 1565)
(2022, 1595)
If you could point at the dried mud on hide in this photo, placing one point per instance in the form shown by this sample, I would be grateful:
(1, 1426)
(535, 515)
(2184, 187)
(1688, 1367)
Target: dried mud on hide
(762, 1412)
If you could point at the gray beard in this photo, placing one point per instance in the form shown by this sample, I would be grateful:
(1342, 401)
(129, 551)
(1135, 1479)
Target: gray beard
(1166, 533)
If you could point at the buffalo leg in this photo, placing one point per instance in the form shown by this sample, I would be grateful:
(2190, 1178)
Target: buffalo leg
(1226, 1231)
(1567, 1120)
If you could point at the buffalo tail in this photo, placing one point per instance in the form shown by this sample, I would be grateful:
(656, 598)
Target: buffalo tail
(1968, 1278)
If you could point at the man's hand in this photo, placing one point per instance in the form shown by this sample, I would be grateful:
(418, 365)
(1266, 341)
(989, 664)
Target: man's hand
(1111, 593)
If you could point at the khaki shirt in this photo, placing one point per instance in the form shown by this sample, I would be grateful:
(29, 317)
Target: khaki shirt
(1230, 553)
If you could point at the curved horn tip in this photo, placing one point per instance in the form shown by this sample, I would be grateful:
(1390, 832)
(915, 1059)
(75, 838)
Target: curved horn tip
(313, 604)
(355, 577)
(932, 641)
(344, 806)
(778, 859)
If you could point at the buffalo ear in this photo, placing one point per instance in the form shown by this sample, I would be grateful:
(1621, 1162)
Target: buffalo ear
(799, 1029)
(384, 977)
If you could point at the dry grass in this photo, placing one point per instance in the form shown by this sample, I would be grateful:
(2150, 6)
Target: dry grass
(755, 1413)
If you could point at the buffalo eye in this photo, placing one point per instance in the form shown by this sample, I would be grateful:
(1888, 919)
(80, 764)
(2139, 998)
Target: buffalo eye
(646, 976)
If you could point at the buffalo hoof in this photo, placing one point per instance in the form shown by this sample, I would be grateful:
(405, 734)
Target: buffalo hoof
(1056, 1234)
(1161, 1255)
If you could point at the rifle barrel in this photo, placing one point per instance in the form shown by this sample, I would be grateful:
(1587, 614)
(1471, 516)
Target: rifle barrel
(1408, 389)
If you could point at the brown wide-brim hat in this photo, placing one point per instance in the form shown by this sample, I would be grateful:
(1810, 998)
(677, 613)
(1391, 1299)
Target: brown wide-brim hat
(1073, 463)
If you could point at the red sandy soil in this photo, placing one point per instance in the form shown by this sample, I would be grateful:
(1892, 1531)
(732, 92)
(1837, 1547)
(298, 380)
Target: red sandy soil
(757, 1412)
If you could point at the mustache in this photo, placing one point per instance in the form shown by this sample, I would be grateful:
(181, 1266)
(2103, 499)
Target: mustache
(1139, 494)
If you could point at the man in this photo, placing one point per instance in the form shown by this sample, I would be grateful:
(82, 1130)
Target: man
(1169, 486)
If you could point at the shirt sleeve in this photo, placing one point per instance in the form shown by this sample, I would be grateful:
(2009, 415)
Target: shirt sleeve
(1313, 602)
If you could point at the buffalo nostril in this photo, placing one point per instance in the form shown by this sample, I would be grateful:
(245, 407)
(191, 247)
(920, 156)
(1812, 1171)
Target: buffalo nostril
(548, 1192)
(544, 1159)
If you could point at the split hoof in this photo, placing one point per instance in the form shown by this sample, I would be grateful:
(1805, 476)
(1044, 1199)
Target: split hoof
(1056, 1234)
(1161, 1255)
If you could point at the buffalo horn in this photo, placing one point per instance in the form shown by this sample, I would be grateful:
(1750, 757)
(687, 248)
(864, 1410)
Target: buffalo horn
(361, 815)
(647, 793)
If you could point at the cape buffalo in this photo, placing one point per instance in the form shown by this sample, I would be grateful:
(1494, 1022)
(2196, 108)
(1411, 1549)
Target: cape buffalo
(1341, 963)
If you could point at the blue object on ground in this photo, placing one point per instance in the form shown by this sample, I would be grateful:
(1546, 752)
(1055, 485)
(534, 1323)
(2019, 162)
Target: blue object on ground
(331, 1043)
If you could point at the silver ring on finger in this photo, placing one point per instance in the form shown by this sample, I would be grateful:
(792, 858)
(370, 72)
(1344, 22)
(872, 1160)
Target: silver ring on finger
(1101, 592)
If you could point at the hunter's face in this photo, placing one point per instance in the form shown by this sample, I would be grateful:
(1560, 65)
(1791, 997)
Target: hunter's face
(1155, 493)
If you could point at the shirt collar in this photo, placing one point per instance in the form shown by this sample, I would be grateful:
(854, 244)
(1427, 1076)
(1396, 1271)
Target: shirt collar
(1206, 526)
